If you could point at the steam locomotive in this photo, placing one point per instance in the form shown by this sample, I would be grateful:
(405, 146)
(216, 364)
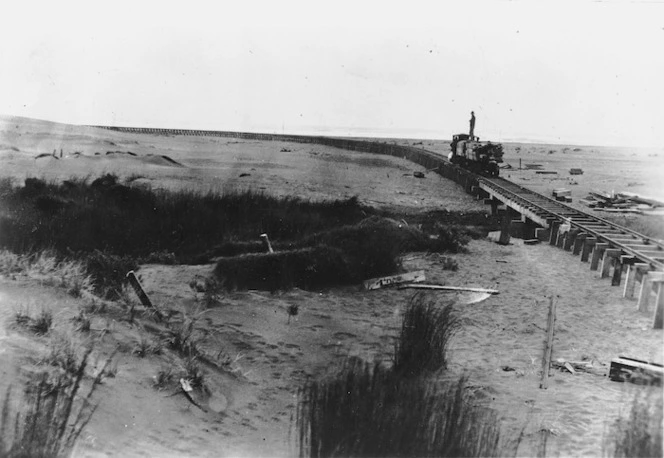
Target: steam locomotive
(479, 157)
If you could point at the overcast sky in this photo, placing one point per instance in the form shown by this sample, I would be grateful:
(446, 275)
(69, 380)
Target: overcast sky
(570, 72)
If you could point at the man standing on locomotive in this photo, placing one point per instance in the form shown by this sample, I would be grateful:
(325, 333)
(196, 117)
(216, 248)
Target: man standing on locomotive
(472, 125)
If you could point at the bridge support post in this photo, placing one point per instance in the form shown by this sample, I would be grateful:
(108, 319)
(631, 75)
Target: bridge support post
(553, 235)
(658, 316)
(634, 273)
(646, 289)
(569, 239)
(494, 206)
(608, 259)
(529, 228)
(598, 251)
(588, 245)
(578, 242)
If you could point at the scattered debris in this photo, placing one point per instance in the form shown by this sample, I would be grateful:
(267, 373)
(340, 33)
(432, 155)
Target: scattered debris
(507, 369)
(245, 175)
(546, 172)
(377, 283)
(622, 202)
(576, 171)
(532, 166)
(418, 174)
(624, 369)
(285, 150)
(576, 367)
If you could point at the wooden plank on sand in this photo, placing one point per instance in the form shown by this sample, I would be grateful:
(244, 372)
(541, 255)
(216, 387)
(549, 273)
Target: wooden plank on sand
(140, 292)
(448, 288)
(625, 369)
(377, 283)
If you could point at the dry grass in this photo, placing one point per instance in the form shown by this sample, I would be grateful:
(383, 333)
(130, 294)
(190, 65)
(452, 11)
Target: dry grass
(365, 410)
(51, 416)
(426, 331)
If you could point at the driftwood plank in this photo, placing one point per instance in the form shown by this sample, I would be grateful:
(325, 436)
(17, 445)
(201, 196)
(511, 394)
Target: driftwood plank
(449, 288)
(377, 283)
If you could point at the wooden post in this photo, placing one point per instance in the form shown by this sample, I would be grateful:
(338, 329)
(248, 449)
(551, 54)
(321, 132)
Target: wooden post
(505, 224)
(546, 363)
(570, 238)
(597, 255)
(494, 206)
(658, 316)
(588, 245)
(266, 241)
(646, 288)
(140, 292)
(617, 272)
(578, 243)
(609, 256)
(553, 235)
(634, 274)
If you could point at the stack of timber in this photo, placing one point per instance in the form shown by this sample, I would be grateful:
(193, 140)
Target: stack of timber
(622, 202)
(562, 195)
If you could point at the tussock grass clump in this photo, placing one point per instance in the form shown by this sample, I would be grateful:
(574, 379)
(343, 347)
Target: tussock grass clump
(40, 324)
(424, 339)
(52, 415)
(640, 433)
(365, 410)
(50, 269)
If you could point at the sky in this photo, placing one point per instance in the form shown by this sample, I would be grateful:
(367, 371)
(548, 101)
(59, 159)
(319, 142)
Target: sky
(575, 72)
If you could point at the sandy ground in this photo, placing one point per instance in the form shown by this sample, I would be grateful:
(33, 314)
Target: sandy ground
(250, 407)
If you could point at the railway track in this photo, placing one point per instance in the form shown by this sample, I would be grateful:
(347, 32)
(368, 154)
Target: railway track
(641, 248)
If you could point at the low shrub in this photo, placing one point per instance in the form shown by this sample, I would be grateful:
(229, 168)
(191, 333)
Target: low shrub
(366, 410)
(108, 272)
(305, 268)
(423, 342)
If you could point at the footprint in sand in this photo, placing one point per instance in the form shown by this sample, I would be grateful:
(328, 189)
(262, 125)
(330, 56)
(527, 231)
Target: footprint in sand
(343, 335)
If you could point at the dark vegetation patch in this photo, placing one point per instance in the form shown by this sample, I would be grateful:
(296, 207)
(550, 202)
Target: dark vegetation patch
(370, 409)
(113, 227)
(343, 255)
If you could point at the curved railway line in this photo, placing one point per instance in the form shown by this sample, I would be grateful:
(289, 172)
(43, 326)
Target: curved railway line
(618, 252)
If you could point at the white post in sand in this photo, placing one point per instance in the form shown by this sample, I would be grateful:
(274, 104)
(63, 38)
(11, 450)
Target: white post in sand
(266, 240)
